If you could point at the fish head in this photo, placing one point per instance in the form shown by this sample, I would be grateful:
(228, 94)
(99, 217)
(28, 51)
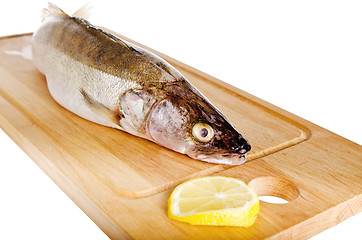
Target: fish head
(190, 124)
(217, 143)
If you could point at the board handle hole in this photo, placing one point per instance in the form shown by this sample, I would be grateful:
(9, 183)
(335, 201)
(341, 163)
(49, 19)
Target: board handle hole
(274, 190)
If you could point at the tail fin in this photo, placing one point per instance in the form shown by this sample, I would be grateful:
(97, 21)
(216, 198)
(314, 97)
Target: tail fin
(83, 12)
(52, 10)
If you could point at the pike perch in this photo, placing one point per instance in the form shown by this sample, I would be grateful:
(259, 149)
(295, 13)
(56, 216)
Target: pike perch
(112, 82)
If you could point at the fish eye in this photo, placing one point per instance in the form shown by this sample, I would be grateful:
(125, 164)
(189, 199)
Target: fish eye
(203, 132)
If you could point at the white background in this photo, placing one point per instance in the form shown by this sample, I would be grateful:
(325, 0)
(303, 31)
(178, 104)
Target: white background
(303, 56)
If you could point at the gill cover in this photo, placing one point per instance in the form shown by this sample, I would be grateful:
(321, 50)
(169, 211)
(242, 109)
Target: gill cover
(166, 123)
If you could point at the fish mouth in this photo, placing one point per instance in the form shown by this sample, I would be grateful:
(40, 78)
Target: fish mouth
(229, 159)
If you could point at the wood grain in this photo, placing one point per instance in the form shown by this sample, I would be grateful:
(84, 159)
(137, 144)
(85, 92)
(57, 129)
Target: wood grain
(127, 165)
(122, 182)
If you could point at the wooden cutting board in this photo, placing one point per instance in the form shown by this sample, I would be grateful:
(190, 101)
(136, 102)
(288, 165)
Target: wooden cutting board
(122, 182)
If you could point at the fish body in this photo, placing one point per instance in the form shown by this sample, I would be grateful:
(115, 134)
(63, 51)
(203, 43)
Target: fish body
(112, 82)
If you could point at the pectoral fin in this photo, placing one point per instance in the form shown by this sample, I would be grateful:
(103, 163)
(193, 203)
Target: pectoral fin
(129, 115)
(100, 109)
(135, 105)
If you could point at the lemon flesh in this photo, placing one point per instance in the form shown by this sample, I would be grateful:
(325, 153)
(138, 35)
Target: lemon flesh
(215, 200)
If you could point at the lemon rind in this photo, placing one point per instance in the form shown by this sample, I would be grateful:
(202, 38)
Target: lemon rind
(241, 216)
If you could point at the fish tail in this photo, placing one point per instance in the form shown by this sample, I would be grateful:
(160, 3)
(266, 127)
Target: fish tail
(83, 12)
(53, 10)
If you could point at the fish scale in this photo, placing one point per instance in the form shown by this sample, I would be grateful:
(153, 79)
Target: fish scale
(109, 81)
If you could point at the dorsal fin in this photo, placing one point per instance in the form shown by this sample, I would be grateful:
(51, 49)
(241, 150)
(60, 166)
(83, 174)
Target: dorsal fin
(83, 12)
(116, 39)
(103, 32)
(52, 10)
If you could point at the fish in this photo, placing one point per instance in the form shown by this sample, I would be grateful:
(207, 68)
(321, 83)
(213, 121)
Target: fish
(109, 81)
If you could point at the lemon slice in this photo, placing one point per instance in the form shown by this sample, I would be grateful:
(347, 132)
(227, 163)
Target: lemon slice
(215, 200)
